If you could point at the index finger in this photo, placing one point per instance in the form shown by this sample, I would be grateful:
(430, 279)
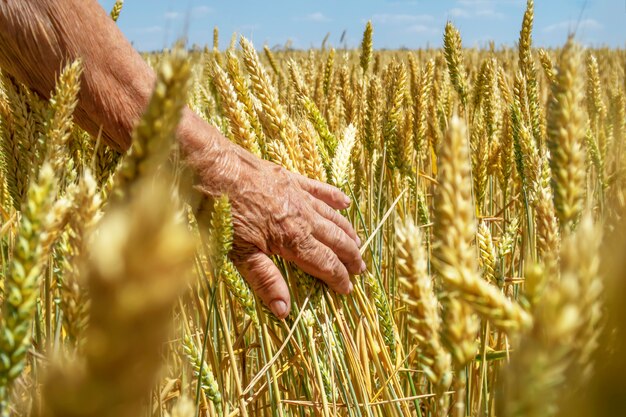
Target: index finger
(330, 195)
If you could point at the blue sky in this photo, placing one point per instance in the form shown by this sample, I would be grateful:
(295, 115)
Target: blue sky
(155, 24)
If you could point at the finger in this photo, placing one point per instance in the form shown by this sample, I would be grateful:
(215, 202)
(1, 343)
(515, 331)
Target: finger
(267, 282)
(328, 213)
(318, 260)
(325, 192)
(339, 242)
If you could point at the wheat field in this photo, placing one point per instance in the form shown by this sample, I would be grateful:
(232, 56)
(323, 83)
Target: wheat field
(488, 189)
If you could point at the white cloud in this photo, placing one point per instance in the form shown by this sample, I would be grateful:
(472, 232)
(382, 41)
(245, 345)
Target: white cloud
(422, 29)
(316, 17)
(573, 25)
(385, 18)
(490, 3)
(201, 10)
(485, 9)
(468, 13)
(489, 13)
(171, 15)
(458, 12)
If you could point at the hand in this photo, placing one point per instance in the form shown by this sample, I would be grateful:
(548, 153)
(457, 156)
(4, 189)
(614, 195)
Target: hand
(277, 212)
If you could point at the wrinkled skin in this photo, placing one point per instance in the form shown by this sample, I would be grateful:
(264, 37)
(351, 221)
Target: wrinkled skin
(275, 212)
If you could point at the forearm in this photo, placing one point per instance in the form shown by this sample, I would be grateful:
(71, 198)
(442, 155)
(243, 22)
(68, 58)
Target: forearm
(38, 37)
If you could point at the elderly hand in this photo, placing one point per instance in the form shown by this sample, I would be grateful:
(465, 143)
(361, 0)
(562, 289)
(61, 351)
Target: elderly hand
(276, 212)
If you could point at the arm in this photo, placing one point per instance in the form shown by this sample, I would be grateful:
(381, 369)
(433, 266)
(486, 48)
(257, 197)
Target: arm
(274, 211)
(38, 37)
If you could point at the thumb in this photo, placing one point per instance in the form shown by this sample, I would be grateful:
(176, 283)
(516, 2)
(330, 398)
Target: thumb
(266, 281)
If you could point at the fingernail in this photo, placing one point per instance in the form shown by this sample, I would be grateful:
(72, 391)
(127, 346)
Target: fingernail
(358, 241)
(363, 267)
(350, 287)
(346, 200)
(279, 308)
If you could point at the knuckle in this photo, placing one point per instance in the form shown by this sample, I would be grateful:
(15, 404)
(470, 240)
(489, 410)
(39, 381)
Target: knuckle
(338, 271)
(333, 216)
(278, 170)
(312, 186)
(327, 212)
(240, 252)
(261, 278)
(304, 246)
(338, 218)
(290, 230)
(340, 240)
(296, 239)
(263, 284)
(346, 225)
(355, 254)
(328, 267)
(335, 269)
(331, 189)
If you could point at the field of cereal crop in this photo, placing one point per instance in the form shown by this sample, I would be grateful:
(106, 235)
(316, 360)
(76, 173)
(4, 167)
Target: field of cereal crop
(488, 187)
